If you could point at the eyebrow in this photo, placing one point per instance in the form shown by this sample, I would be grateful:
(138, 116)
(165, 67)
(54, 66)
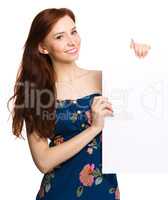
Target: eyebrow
(63, 32)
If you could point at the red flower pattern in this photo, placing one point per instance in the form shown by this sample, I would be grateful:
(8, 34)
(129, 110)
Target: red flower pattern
(86, 177)
(58, 140)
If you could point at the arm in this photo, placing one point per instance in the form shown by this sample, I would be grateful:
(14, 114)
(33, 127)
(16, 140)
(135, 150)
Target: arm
(46, 158)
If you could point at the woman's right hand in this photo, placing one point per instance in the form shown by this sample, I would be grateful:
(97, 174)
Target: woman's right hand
(100, 108)
(140, 49)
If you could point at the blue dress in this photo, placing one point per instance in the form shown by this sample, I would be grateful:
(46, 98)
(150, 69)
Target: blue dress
(79, 177)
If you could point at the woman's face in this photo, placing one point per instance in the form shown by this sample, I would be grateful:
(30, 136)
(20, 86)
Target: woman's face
(63, 42)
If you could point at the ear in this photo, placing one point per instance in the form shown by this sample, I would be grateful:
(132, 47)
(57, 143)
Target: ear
(42, 49)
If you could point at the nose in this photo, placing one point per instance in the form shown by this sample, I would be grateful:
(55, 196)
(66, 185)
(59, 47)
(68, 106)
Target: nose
(70, 41)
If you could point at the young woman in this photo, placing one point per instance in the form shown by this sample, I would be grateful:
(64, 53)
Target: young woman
(63, 103)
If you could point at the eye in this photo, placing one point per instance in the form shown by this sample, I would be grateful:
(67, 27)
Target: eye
(59, 37)
(74, 32)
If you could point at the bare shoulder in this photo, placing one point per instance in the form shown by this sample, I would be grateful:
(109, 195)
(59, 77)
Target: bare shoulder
(95, 79)
(94, 72)
(97, 74)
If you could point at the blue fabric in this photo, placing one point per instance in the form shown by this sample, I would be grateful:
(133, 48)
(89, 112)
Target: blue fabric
(79, 177)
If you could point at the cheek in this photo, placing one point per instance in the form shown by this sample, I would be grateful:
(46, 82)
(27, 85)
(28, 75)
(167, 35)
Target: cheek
(78, 41)
(58, 48)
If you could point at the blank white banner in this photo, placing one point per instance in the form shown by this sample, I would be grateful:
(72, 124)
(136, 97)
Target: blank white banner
(135, 139)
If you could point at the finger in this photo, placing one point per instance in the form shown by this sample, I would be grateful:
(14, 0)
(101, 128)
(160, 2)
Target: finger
(132, 44)
(101, 102)
(107, 113)
(105, 106)
(140, 51)
(145, 51)
(98, 99)
(137, 50)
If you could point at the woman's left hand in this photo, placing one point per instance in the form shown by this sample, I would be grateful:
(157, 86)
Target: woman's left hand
(141, 50)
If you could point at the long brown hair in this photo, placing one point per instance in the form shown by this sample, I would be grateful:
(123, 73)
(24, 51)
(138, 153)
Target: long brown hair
(36, 75)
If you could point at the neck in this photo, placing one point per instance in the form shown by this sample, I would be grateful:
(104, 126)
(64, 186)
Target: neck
(65, 71)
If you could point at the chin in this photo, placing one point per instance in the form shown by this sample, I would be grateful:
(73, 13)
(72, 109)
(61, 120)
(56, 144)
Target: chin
(72, 59)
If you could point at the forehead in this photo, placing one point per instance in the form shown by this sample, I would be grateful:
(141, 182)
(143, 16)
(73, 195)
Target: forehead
(63, 24)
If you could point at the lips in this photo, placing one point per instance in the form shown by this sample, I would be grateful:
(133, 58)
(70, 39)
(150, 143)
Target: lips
(73, 50)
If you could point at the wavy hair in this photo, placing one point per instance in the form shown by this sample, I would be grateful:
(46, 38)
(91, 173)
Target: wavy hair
(35, 80)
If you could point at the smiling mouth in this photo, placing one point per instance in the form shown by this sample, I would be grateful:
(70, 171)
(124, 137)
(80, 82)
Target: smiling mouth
(73, 50)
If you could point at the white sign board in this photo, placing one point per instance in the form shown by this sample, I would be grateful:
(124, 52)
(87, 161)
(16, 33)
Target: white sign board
(135, 139)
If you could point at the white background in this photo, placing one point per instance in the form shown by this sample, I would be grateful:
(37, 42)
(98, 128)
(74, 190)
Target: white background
(106, 28)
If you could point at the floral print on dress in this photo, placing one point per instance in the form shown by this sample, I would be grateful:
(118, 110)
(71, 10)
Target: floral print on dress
(115, 191)
(88, 176)
(58, 139)
(74, 117)
(46, 184)
(93, 145)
